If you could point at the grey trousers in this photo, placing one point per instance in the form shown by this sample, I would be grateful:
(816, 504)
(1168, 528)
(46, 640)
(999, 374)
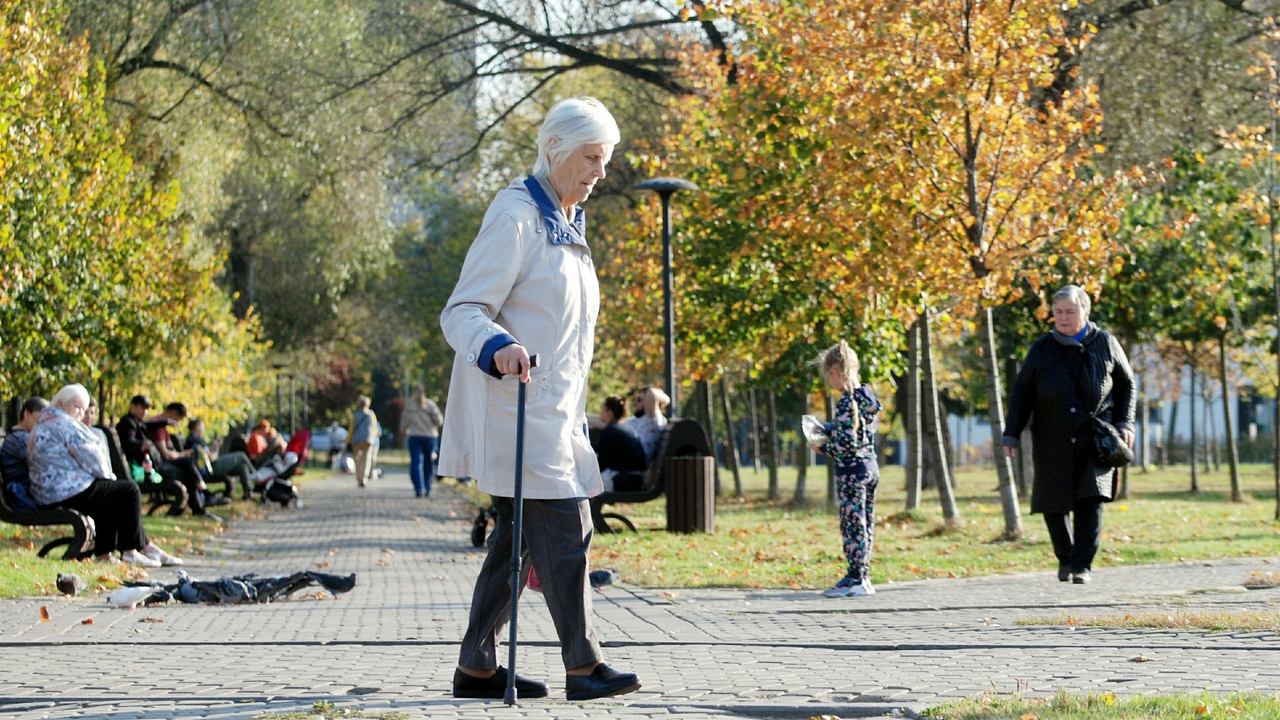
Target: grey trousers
(557, 538)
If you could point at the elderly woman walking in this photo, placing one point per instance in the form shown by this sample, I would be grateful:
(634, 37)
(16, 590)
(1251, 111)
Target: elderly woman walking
(528, 286)
(1071, 375)
(70, 469)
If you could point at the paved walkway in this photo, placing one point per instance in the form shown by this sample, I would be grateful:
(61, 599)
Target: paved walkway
(391, 644)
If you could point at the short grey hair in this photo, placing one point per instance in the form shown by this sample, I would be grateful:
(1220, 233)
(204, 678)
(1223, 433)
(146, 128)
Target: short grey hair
(1076, 296)
(71, 392)
(573, 122)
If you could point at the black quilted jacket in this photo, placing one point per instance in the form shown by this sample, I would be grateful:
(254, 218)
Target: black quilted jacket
(1046, 393)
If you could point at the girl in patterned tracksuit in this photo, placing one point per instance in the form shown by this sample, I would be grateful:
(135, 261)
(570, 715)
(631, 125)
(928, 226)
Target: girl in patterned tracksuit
(851, 445)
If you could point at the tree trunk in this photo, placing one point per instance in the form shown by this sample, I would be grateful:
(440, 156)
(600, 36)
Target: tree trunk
(911, 417)
(1026, 457)
(948, 443)
(802, 462)
(933, 425)
(706, 410)
(995, 413)
(1123, 492)
(1191, 402)
(1144, 424)
(755, 431)
(1206, 423)
(1233, 452)
(771, 434)
(731, 445)
(1169, 435)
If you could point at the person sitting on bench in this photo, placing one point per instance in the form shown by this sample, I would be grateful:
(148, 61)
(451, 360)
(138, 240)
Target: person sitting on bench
(621, 456)
(13, 457)
(180, 464)
(649, 420)
(235, 464)
(264, 444)
(70, 470)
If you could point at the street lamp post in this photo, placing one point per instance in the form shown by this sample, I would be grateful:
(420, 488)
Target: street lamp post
(666, 187)
(278, 367)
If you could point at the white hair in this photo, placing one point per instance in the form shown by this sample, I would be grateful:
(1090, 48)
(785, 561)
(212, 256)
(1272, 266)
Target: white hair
(1076, 296)
(573, 122)
(71, 392)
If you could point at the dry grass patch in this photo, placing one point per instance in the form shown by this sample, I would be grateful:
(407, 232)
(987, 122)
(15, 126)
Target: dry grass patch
(1106, 706)
(1207, 620)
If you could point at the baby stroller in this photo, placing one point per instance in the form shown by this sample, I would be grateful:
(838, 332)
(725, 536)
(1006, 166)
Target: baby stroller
(273, 482)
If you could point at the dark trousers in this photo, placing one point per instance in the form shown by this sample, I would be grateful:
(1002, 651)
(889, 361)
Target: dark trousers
(184, 471)
(116, 509)
(1076, 539)
(557, 538)
(422, 467)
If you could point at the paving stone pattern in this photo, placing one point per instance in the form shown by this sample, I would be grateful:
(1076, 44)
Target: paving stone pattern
(391, 644)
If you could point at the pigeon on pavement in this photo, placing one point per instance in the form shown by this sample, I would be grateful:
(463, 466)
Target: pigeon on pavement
(129, 597)
(70, 584)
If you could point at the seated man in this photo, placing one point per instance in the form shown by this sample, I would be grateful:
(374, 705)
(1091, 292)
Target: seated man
(234, 464)
(621, 456)
(178, 464)
(264, 444)
(13, 457)
(649, 420)
(135, 442)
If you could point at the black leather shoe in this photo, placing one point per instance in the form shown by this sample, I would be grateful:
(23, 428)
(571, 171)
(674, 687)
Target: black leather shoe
(603, 682)
(1064, 573)
(494, 687)
(1081, 578)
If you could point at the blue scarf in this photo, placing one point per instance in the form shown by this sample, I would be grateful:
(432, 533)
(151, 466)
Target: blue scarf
(561, 231)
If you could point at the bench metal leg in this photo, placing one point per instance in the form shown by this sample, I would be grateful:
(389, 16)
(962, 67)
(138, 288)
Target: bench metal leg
(605, 517)
(70, 540)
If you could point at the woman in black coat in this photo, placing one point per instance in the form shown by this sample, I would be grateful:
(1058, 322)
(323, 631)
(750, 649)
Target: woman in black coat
(1076, 358)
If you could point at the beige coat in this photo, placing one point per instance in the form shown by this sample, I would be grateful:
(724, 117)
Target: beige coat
(546, 296)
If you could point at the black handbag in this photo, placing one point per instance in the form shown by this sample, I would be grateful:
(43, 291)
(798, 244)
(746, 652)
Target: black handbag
(1109, 448)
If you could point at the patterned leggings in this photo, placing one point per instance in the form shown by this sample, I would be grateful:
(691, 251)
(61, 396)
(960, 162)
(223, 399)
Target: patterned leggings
(856, 488)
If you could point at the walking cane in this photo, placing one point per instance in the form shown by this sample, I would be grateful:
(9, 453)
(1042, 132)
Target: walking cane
(516, 520)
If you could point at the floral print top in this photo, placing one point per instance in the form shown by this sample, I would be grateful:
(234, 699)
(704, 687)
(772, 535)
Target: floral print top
(64, 456)
(844, 446)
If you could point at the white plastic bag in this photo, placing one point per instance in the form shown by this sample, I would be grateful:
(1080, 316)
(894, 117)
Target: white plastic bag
(814, 431)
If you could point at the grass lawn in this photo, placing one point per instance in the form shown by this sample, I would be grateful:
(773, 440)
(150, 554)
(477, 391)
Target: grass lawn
(23, 574)
(1106, 706)
(759, 543)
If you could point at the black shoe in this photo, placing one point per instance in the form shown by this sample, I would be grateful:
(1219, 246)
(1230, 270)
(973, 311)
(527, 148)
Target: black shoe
(1064, 573)
(603, 682)
(216, 500)
(1081, 578)
(494, 687)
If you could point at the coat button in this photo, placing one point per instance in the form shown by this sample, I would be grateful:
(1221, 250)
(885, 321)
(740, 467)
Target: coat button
(471, 358)
(1073, 409)
(1073, 439)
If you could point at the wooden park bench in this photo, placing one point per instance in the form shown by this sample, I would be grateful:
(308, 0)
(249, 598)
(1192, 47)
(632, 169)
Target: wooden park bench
(79, 544)
(680, 438)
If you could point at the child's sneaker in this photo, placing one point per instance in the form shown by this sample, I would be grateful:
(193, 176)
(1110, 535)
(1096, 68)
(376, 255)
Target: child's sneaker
(840, 589)
(866, 585)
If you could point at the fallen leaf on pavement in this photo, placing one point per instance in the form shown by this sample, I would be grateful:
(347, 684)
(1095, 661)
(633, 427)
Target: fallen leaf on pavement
(1143, 658)
(87, 621)
(44, 614)
(151, 619)
(322, 565)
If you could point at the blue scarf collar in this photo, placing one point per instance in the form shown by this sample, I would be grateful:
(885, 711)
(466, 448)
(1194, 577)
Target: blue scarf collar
(559, 230)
